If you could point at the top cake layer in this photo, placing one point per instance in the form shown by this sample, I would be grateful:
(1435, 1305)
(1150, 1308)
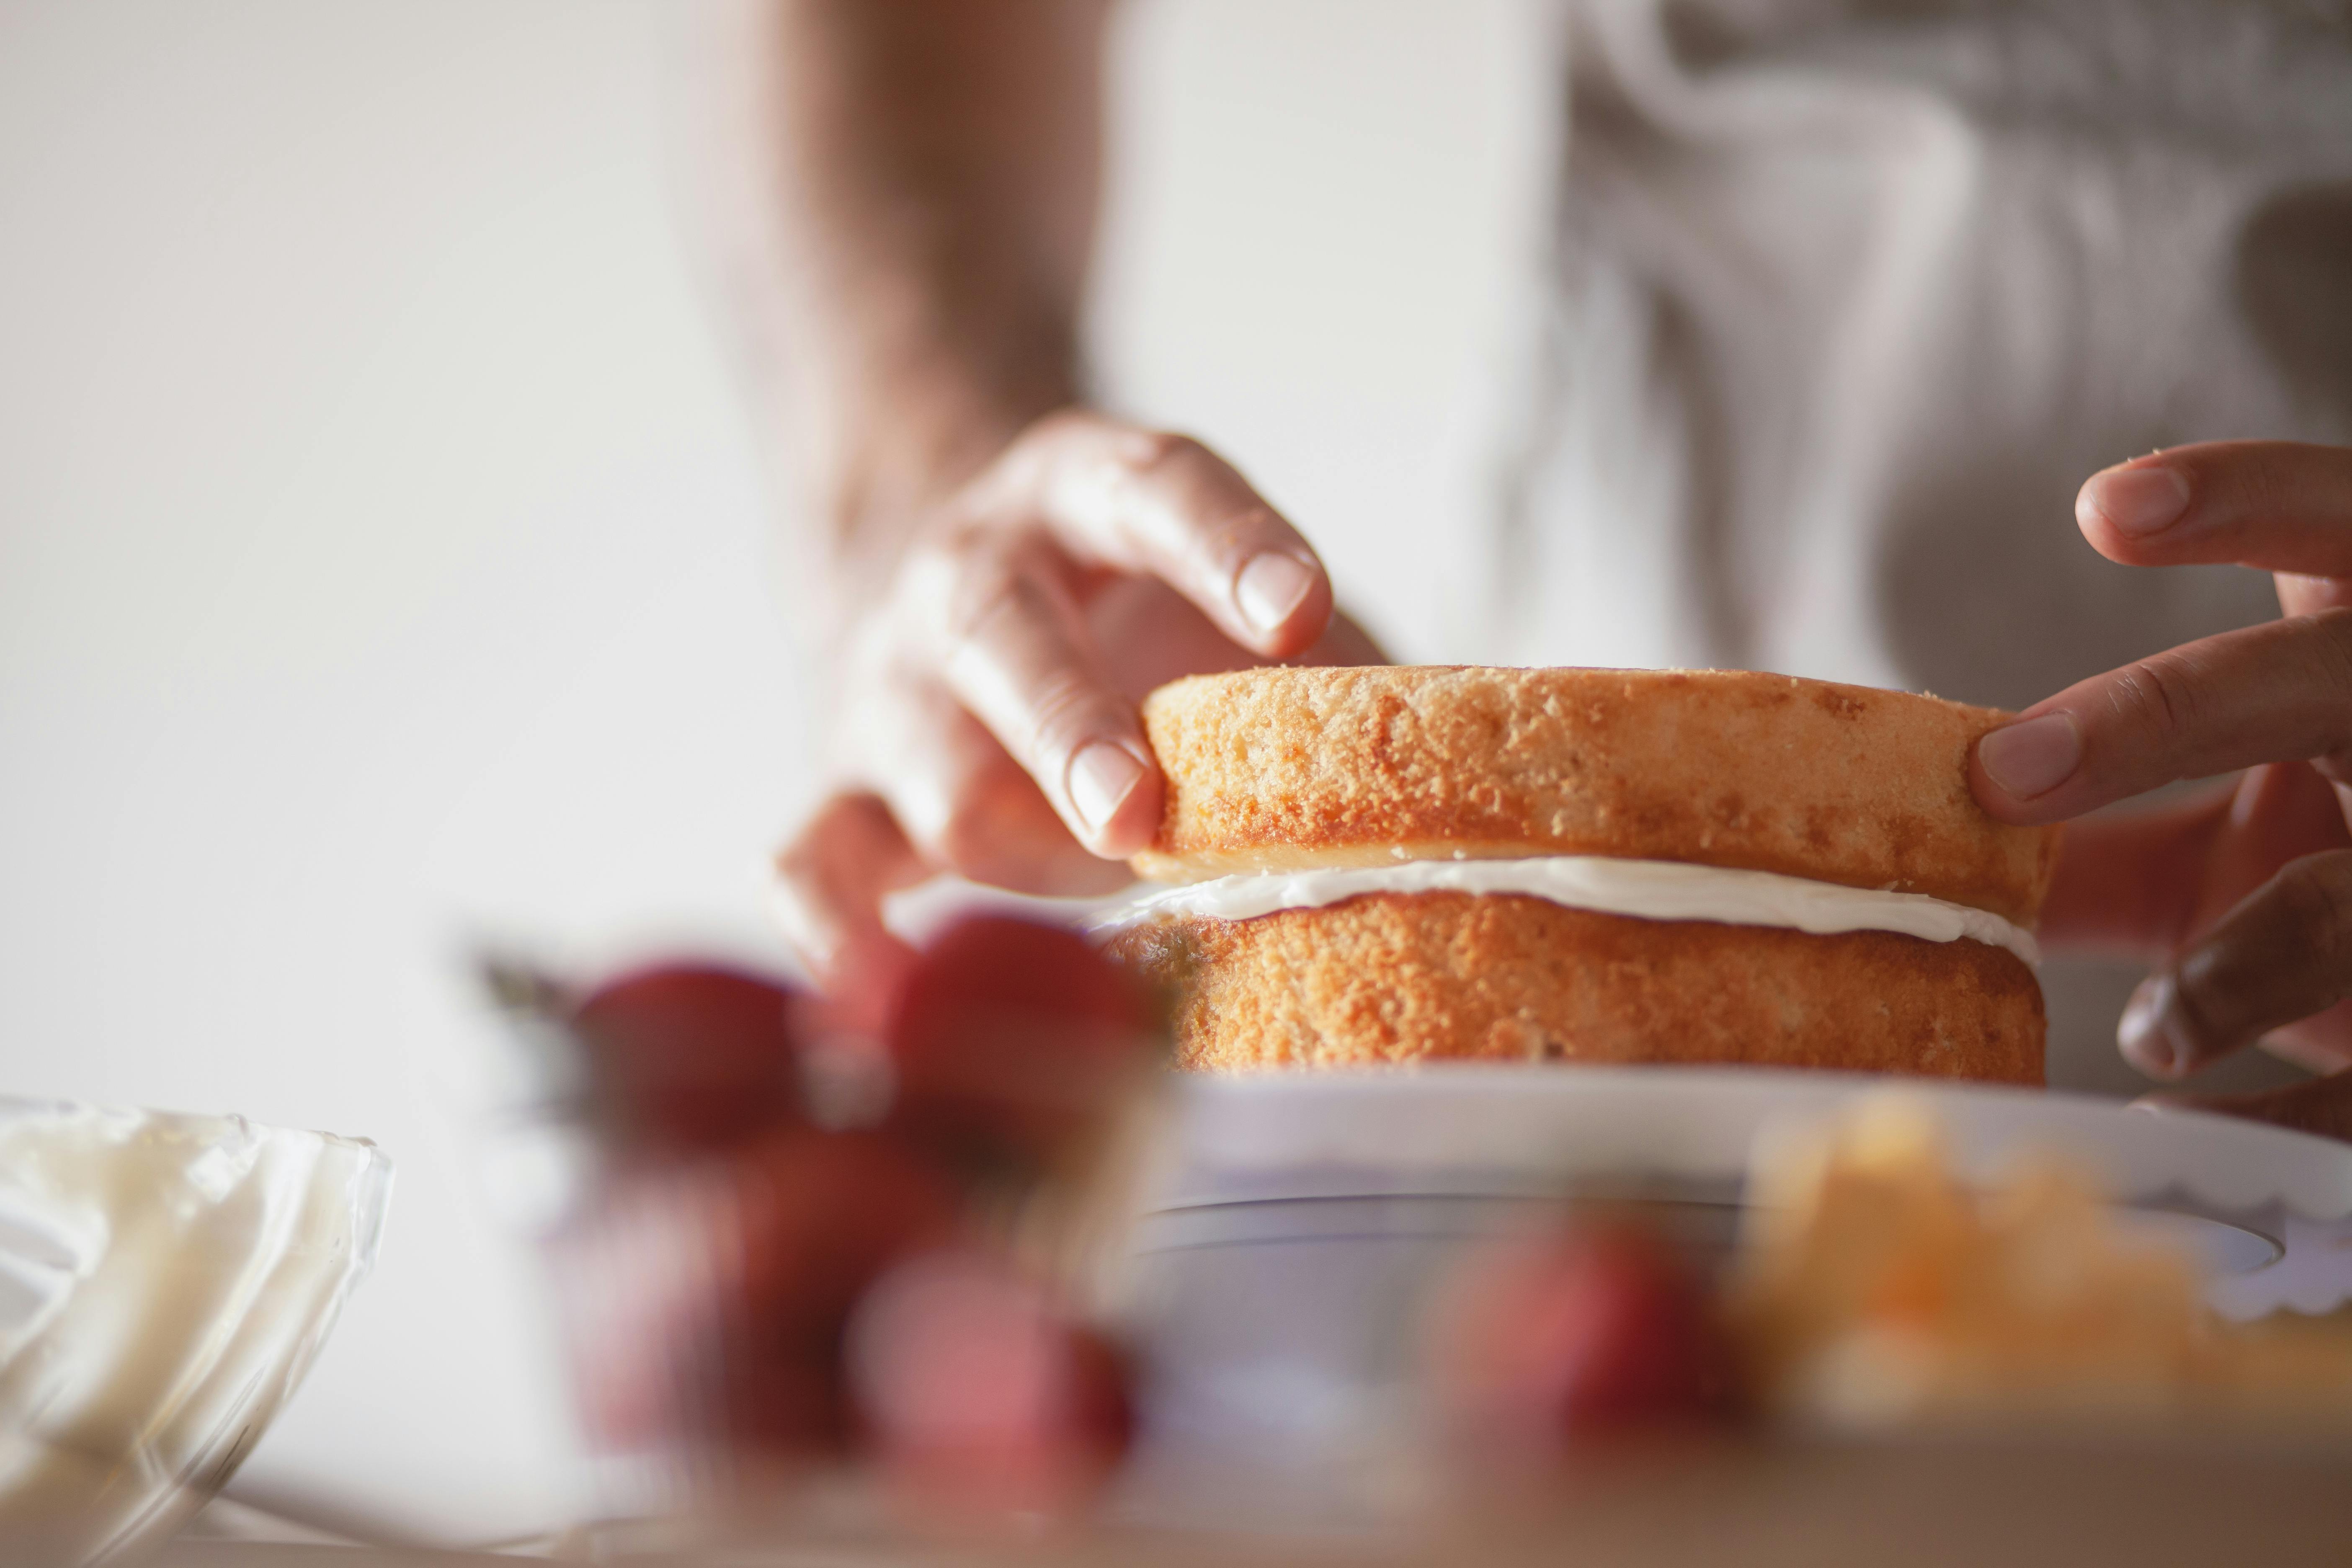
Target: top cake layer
(1277, 769)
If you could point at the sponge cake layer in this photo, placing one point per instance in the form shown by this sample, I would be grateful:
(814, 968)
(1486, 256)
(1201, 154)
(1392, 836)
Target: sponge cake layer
(1277, 769)
(1458, 976)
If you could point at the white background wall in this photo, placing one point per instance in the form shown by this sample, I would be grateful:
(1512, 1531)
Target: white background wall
(382, 560)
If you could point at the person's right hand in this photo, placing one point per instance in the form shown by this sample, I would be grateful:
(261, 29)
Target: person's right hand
(985, 715)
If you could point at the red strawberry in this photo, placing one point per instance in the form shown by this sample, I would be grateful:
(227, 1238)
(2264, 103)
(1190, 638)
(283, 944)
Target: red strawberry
(1593, 1331)
(1011, 1041)
(687, 1057)
(978, 1394)
(817, 1217)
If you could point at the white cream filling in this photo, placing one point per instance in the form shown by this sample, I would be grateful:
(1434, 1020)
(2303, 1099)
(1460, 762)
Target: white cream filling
(1647, 890)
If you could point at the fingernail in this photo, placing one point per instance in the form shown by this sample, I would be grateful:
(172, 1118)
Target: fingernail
(1270, 587)
(2033, 757)
(2138, 501)
(2141, 1034)
(1102, 776)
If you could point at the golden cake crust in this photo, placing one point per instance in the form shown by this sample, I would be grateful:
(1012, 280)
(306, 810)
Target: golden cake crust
(1406, 977)
(1272, 768)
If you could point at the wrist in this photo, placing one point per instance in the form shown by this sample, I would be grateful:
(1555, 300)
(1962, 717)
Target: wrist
(900, 451)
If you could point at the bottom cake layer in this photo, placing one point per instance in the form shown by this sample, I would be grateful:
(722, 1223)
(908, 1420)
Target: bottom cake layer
(1393, 977)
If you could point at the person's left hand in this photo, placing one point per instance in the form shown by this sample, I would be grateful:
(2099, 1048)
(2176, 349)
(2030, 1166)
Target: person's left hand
(2242, 899)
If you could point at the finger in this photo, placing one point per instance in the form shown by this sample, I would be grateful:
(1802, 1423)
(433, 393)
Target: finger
(2304, 595)
(830, 880)
(966, 806)
(2284, 954)
(2124, 886)
(2277, 692)
(1343, 642)
(1012, 645)
(2323, 1106)
(1148, 502)
(1150, 634)
(2283, 505)
(2140, 885)
(2320, 1044)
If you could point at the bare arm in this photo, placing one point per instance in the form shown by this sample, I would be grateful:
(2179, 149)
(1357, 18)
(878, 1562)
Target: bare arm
(930, 171)
(1000, 571)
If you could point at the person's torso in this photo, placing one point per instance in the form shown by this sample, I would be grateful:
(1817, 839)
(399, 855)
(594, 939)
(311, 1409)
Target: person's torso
(1851, 295)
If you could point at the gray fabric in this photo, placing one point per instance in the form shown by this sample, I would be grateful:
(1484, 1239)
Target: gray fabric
(1850, 295)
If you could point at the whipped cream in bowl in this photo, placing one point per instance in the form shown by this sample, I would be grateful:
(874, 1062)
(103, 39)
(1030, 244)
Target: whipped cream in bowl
(165, 1281)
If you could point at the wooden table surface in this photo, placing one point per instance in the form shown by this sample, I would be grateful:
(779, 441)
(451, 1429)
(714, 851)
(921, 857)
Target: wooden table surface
(2062, 1502)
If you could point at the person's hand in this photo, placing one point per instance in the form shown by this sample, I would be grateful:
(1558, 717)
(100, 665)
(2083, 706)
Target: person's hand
(984, 717)
(2243, 898)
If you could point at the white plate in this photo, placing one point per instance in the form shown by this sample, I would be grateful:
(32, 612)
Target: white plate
(2273, 1208)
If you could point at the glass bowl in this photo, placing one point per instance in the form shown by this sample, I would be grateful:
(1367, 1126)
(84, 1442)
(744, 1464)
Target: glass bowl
(165, 1281)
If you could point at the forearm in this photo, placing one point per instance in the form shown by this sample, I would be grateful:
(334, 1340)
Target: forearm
(928, 171)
